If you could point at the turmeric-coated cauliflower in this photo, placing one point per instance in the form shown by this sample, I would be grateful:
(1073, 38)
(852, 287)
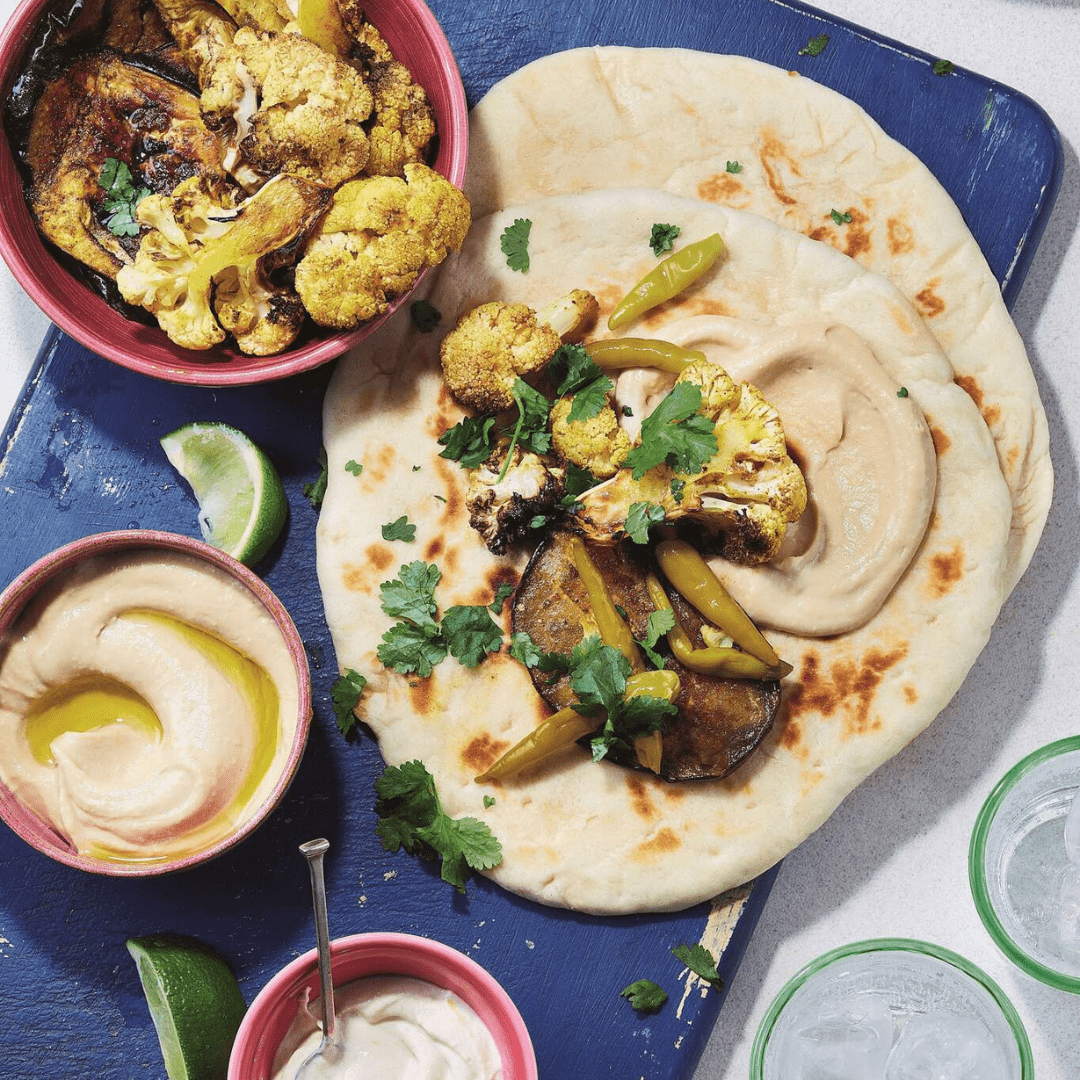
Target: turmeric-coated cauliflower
(283, 104)
(206, 253)
(496, 343)
(379, 233)
(404, 119)
(598, 444)
(505, 498)
(750, 489)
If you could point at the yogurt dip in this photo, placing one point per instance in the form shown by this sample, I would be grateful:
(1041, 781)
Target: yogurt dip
(148, 703)
(395, 1026)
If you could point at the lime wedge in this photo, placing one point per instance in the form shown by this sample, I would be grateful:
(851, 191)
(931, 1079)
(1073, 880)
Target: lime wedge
(194, 1001)
(242, 505)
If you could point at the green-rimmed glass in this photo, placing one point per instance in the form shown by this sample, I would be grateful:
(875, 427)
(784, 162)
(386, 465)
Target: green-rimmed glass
(1023, 814)
(875, 977)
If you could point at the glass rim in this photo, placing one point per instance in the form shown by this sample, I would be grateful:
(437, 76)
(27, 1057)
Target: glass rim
(977, 866)
(910, 945)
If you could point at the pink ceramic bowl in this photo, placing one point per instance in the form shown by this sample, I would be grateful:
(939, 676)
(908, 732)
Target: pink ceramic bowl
(275, 1007)
(416, 39)
(13, 600)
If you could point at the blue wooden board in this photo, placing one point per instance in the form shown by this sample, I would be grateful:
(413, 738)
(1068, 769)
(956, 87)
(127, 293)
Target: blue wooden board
(80, 455)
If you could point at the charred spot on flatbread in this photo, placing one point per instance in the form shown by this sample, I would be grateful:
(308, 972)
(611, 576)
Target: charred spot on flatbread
(774, 159)
(946, 569)
(928, 301)
(720, 720)
(899, 235)
(847, 688)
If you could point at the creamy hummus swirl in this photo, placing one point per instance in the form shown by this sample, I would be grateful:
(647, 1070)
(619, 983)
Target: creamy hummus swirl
(395, 1026)
(227, 715)
(864, 449)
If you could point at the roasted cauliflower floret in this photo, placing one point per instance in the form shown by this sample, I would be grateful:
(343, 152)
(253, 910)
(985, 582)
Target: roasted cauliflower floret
(282, 104)
(501, 510)
(404, 119)
(203, 33)
(204, 252)
(598, 444)
(379, 233)
(750, 490)
(496, 343)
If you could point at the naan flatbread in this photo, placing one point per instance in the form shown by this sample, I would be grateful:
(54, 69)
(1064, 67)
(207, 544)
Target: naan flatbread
(610, 117)
(596, 837)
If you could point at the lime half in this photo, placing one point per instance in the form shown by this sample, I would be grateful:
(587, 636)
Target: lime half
(194, 1001)
(242, 505)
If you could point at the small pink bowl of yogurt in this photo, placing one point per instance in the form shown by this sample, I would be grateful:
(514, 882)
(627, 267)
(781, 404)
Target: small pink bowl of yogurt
(430, 993)
(155, 702)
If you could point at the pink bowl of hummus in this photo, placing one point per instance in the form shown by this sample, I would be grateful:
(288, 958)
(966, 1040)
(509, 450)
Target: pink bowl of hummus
(155, 702)
(405, 1006)
(74, 277)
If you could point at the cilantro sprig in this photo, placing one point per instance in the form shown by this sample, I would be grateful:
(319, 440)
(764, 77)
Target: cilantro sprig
(644, 995)
(470, 441)
(399, 529)
(122, 195)
(315, 491)
(514, 243)
(675, 433)
(815, 46)
(345, 695)
(700, 961)
(411, 817)
(417, 642)
(640, 517)
(662, 238)
(580, 378)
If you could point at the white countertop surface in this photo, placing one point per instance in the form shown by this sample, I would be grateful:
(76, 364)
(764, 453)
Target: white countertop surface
(892, 860)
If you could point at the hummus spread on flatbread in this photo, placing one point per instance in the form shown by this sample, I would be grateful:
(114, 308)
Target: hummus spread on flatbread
(599, 837)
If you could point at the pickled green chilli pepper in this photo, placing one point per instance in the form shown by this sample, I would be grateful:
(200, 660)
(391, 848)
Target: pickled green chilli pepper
(669, 278)
(614, 354)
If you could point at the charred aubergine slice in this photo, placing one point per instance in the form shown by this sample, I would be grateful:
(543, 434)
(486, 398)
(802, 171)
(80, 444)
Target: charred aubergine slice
(103, 107)
(720, 720)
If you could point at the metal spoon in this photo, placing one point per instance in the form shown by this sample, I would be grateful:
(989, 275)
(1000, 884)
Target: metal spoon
(329, 1051)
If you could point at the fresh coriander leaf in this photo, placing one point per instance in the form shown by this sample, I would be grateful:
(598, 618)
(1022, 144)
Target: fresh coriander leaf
(417, 468)
(577, 481)
(700, 961)
(353, 467)
(660, 623)
(627, 719)
(676, 433)
(538, 522)
(534, 410)
(411, 817)
(943, 67)
(514, 242)
(441, 498)
(677, 488)
(470, 441)
(489, 801)
(640, 517)
(571, 368)
(121, 197)
(644, 995)
(622, 612)
(315, 492)
(407, 647)
(577, 376)
(345, 694)
(425, 317)
(734, 167)
(411, 595)
(503, 592)
(838, 218)
(815, 46)
(902, 392)
(598, 672)
(627, 411)
(524, 649)
(471, 633)
(662, 238)
(401, 529)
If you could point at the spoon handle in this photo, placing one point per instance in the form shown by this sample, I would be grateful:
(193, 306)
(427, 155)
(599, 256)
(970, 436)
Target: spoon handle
(313, 851)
